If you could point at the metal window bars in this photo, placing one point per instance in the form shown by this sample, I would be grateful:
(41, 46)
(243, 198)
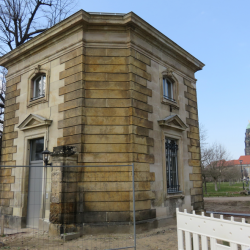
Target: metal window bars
(172, 166)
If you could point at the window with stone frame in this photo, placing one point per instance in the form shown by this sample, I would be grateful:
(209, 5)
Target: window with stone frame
(171, 149)
(38, 86)
(168, 89)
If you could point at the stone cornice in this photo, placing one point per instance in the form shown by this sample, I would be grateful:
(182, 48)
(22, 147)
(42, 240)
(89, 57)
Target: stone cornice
(82, 19)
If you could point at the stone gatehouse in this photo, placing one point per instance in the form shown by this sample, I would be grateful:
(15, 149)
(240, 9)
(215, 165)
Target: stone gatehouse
(100, 89)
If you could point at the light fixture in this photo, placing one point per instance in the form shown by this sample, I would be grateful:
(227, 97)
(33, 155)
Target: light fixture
(242, 174)
(46, 154)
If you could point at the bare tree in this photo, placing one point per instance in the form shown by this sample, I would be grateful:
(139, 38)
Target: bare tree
(203, 144)
(216, 162)
(232, 174)
(21, 20)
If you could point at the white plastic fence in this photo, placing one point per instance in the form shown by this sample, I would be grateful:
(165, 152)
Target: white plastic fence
(201, 231)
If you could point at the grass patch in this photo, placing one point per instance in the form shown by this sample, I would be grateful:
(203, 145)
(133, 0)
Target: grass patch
(224, 190)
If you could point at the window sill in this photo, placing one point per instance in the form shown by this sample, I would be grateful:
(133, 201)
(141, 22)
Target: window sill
(173, 104)
(175, 196)
(37, 101)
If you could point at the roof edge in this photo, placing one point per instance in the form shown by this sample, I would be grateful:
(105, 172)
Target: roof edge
(82, 16)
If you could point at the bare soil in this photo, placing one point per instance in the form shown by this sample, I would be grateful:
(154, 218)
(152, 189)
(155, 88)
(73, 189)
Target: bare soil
(164, 238)
(156, 239)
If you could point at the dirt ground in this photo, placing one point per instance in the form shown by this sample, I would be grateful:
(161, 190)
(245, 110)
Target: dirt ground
(156, 239)
(164, 238)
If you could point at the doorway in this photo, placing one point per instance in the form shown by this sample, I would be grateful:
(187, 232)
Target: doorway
(35, 182)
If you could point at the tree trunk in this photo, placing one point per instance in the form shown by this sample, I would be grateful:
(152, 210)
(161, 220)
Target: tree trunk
(219, 184)
(215, 186)
(205, 183)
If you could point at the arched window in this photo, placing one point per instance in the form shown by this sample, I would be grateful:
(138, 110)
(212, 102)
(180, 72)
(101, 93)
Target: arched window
(38, 87)
(168, 89)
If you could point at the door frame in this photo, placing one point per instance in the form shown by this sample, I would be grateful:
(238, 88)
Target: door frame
(25, 182)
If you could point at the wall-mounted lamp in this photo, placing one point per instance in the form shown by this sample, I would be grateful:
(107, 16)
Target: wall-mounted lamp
(46, 154)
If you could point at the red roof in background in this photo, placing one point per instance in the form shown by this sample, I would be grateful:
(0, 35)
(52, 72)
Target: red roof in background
(245, 161)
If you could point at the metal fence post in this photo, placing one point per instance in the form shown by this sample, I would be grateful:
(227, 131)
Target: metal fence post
(2, 225)
(133, 177)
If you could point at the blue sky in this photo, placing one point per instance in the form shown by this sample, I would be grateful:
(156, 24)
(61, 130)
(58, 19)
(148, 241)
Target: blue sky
(218, 34)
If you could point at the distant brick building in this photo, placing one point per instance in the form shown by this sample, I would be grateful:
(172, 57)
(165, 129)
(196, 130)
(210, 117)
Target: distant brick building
(117, 91)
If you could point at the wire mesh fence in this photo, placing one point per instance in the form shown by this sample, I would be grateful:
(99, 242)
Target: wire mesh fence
(67, 207)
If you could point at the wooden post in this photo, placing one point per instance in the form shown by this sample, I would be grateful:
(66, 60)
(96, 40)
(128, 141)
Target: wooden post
(2, 225)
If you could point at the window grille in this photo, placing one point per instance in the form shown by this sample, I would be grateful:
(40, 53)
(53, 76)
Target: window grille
(172, 166)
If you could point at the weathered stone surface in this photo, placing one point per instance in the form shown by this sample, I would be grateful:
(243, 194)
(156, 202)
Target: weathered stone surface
(10, 102)
(78, 111)
(195, 177)
(192, 91)
(107, 68)
(140, 57)
(72, 54)
(188, 83)
(73, 130)
(195, 191)
(107, 120)
(12, 135)
(194, 142)
(9, 115)
(9, 150)
(194, 129)
(107, 94)
(11, 88)
(194, 163)
(9, 129)
(7, 179)
(75, 61)
(12, 94)
(142, 106)
(71, 87)
(7, 195)
(11, 121)
(107, 112)
(74, 78)
(195, 156)
(192, 103)
(193, 135)
(69, 140)
(193, 116)
(137, 63)
(13, 81)
(191, 109)
(11, 108)
(192, 122)
(197, 184)
(106, 52)
(71, 71)
(136, 78)
(194, 149)
(190, 96)
(8, 143)
(106, 60)
(196, 170)
(5, 187)
(139, 72)
(71, 104)
(80, 93)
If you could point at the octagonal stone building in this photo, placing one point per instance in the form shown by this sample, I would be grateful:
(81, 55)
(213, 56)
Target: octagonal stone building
(100, 89)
